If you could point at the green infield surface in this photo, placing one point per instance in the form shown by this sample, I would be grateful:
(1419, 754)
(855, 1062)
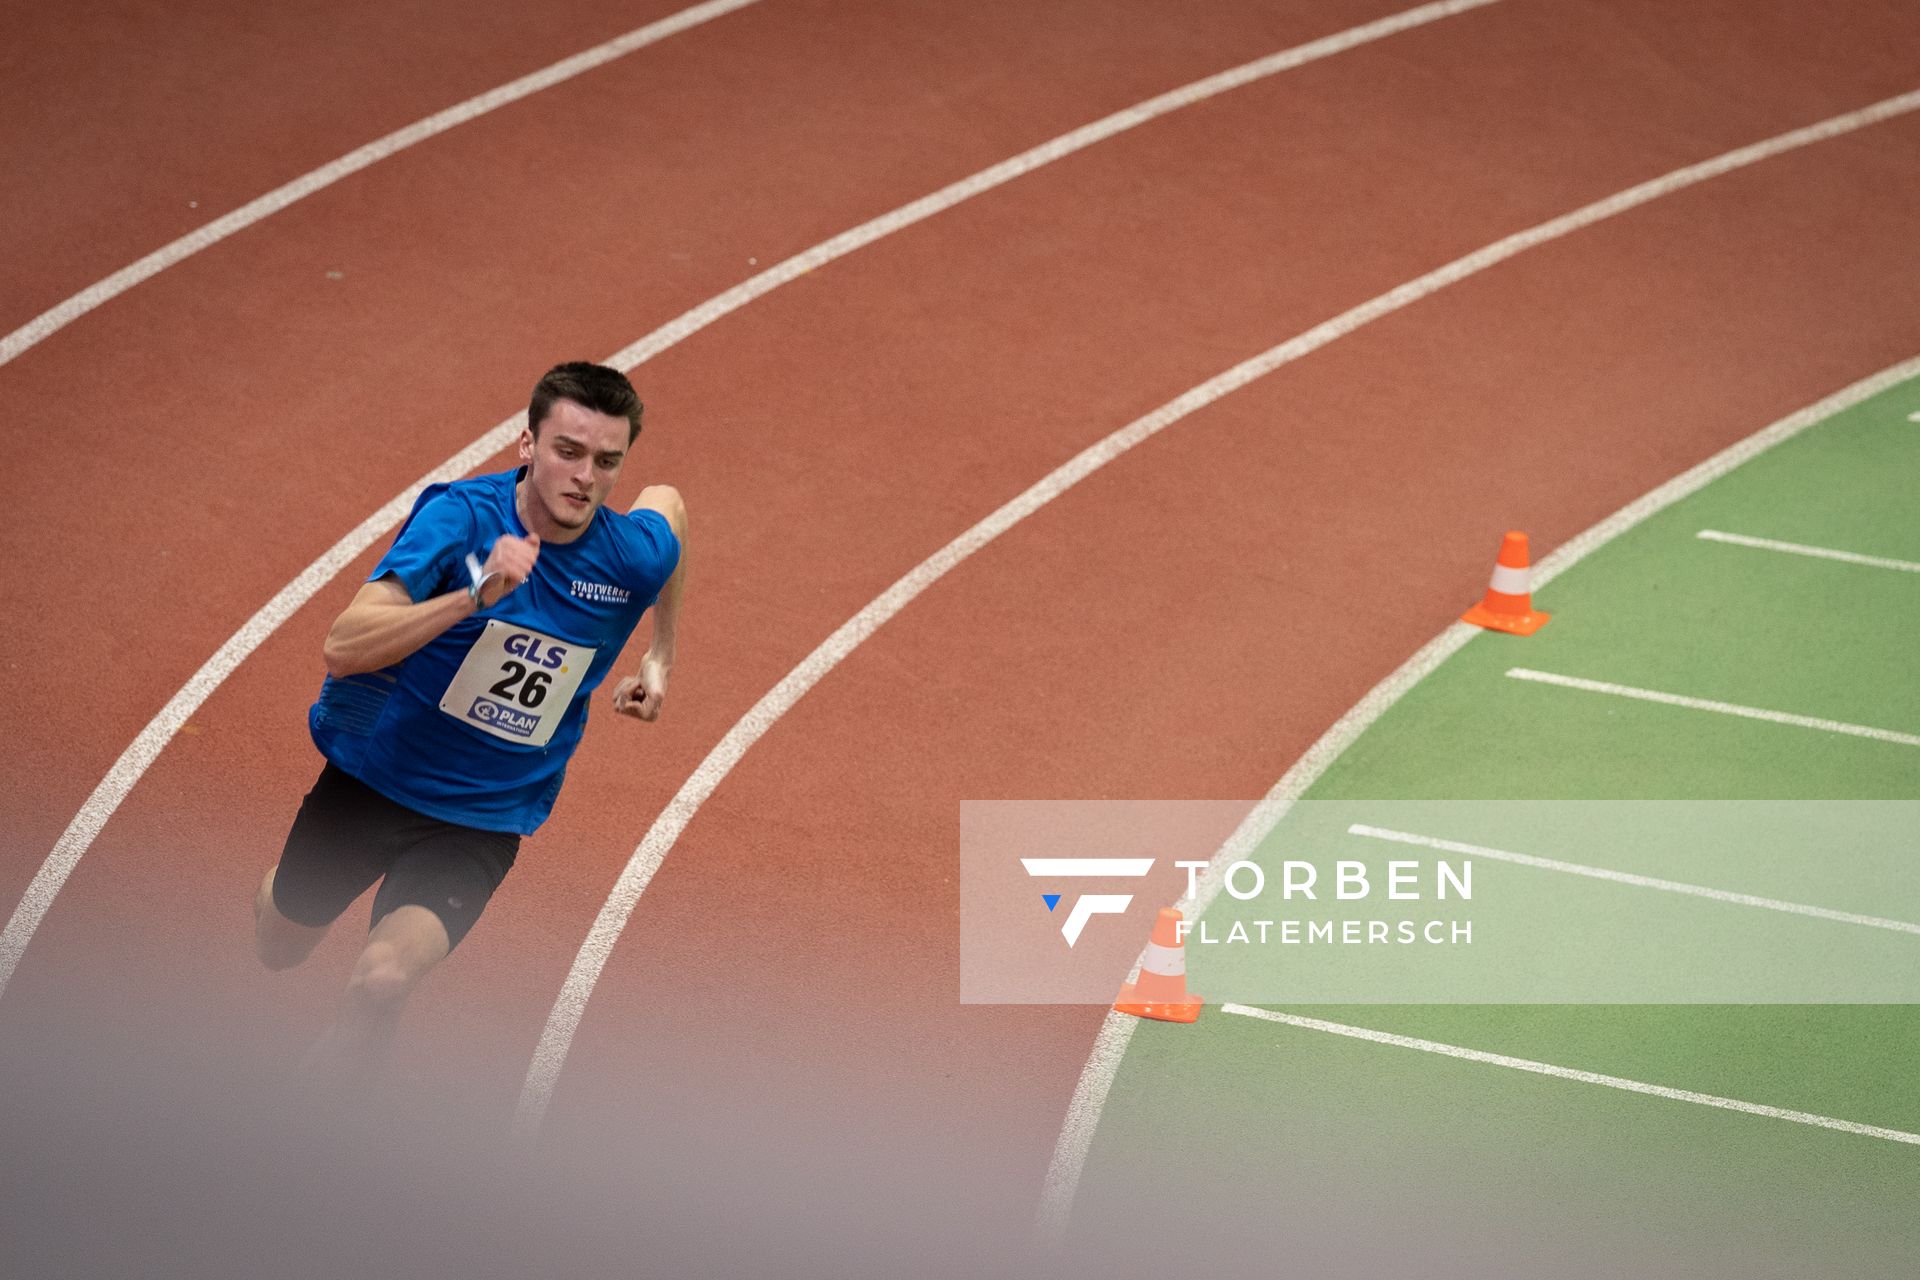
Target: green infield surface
(1685, 662)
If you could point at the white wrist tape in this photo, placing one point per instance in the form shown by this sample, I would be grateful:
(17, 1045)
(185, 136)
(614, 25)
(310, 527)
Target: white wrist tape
(478, 580)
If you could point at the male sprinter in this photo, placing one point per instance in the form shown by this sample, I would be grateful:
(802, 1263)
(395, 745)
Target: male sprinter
(457, 687)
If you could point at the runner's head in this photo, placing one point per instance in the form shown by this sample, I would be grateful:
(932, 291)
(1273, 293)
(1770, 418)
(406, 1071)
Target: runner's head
(580, 424)
(591, 386)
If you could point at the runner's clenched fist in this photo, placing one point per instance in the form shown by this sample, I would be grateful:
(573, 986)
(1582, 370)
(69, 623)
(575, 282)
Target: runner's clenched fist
(508, 565)
(640, 696)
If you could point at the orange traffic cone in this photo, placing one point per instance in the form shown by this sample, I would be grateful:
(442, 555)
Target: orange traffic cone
(1508, 604)
(1162, 990)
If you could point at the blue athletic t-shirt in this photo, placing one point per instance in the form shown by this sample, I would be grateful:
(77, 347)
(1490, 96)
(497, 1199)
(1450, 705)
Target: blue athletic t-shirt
(476, 726)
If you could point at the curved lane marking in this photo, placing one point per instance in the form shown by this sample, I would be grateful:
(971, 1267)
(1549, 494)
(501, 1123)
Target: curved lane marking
(147, 746)
(50, 322)
(1103, 1063)
(570, 1006)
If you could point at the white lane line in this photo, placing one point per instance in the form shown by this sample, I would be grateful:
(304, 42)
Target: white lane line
(1110, 1046)
(1096, 1078)
(146, 747)
(1723, 708)
(50, 322)
(1578, 1076)
(1027, 161)
(141, 753)
(1630, 878)
(570, 1006)
(1802, 549)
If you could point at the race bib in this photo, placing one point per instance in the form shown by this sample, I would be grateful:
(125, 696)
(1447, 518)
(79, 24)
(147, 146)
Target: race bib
(516, 684)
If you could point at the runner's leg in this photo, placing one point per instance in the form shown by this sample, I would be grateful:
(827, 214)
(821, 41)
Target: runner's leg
(402, 949)
(431, 896)
(339, 844)
(278, 941)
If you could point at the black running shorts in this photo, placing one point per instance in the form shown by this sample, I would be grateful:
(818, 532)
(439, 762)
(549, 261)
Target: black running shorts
(347, 835)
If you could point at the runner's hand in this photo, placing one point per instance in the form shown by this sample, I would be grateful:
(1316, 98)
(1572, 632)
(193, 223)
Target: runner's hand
(640, 696)
(512, 558)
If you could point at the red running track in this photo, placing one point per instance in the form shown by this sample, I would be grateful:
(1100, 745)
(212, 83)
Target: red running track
(786, 995)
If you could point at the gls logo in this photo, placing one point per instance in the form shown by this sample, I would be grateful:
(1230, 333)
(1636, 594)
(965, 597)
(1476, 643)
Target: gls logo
(550, 655)
(1086, 905)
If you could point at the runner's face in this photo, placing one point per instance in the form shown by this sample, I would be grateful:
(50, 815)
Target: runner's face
(573, 462)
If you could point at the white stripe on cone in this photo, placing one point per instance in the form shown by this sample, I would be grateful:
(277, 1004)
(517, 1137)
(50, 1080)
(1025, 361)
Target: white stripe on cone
(1167, 962)
(1512, 582)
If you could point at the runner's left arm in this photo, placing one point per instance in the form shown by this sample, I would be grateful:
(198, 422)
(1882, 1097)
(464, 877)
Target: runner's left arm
(640, 696)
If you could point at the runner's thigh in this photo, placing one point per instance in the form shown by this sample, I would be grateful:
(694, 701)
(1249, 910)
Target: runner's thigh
(451, 871)
(344, 838)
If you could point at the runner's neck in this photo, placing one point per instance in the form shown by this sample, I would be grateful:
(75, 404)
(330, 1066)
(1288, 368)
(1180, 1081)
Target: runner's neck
(549, 531)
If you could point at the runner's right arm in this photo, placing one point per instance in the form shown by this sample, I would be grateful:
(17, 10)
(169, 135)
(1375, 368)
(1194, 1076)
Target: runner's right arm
(384, 624)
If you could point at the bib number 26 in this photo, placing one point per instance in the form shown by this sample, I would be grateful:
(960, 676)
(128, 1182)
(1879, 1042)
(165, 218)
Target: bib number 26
(531, 685)
(516, 683)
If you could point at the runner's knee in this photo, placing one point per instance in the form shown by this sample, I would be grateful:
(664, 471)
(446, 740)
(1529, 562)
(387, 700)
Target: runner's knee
(278, 941)
(382, 980)
(278, 951)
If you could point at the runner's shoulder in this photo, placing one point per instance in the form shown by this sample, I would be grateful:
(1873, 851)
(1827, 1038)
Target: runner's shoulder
(493, 491)
(647, 539)
(471, 498)
(663, 500)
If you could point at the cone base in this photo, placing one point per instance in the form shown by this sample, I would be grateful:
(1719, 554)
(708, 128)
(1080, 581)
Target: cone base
(1518, 624)
(1187, 1010)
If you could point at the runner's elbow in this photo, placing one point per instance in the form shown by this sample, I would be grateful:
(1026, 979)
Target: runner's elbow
(337, 665)
(341, 659)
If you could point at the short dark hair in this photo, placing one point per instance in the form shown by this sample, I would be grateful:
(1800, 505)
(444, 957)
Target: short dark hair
(591, 386)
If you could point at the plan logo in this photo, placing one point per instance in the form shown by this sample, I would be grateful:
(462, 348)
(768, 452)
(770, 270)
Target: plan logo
(500, 716)
(1087, 905)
